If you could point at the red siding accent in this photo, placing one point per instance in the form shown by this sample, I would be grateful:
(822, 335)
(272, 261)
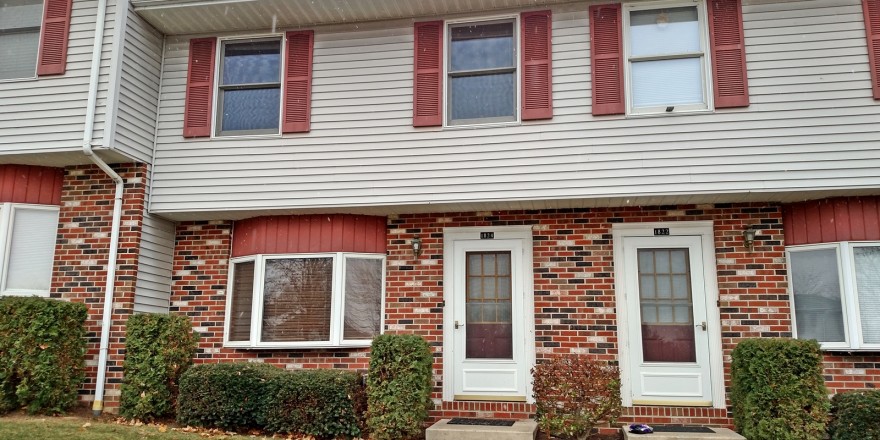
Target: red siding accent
(53, 37)
(298, 82)
(30, 184)
(872, 29)
(309, 233)
(537, 74)
(199, 88)
(428, 71)
(828, 220)
(728, 54)
(606, 66)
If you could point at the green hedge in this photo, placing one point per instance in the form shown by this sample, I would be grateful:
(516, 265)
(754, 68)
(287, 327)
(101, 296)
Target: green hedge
(158, 349)
(855, 415)
(229, 396)
(777, 390)
(42, 348)
(320, 403)
(398, 387)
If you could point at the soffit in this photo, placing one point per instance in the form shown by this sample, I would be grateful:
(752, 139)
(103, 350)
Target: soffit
(177, 17)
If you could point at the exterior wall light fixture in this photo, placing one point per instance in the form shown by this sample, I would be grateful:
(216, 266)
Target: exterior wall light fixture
(749, 236)
(417, 246)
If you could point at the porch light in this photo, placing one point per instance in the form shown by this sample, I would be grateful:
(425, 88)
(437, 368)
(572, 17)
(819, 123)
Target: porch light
(417, 246)
(749, 236)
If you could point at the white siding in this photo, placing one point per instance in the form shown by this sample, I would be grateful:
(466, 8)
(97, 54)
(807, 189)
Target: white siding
(138, 91)
(48, 114)
(811, 125)
(153, 288)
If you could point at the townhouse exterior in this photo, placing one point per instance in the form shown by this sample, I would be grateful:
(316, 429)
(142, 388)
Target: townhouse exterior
(643, 182)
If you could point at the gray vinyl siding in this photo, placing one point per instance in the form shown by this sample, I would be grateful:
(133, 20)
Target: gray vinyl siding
(812, 124)
(153, 287)
(138, 92)
(47, 114)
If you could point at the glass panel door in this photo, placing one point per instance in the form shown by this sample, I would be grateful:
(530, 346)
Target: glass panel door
(488, 305)
(666, 305)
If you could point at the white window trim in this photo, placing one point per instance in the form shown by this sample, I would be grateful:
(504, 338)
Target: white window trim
(854, 340)
(7, 216)
(447, 46)
(337, 302)
(218, 62)
(39, 46)
(706, 66)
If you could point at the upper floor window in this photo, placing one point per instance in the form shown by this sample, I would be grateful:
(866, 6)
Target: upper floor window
(835, 294)
(666, 57)
(305, 300)
(27, 241)
(20, 22)
(249, 90)
(481, 70)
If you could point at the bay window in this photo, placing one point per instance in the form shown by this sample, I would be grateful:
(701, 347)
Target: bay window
(835, 294)
(305, 300)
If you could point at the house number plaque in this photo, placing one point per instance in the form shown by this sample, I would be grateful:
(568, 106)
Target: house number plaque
(661, 231)
(487, 235)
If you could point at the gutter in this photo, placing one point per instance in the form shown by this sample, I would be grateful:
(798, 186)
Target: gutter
(88, 137)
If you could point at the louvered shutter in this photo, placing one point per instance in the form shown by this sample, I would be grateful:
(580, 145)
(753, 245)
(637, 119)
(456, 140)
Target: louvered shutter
(199, 88)
(428, 80)
(53, 37)
(872, 28)
(298, 82)
(606, 65)
(537, 78)
(728, 54)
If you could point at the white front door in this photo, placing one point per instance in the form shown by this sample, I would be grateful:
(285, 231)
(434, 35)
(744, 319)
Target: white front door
(487, 314)
(668, 293)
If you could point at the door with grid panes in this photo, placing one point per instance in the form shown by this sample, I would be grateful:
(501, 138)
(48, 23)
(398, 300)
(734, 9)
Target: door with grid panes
(489, 331)
(667, 321)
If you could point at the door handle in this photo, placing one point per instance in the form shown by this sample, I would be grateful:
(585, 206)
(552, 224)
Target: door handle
(701, 325)
(457, 325)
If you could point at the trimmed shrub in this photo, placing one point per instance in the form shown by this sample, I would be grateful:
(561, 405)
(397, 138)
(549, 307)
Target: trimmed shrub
(398, 387)
(573, 394)
(777, 390)
(159, 348)
(320, 403)
(855, 415)
(230, 396)
(42, 348)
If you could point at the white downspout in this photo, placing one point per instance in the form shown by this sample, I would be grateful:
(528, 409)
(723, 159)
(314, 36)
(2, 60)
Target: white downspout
(88, 136)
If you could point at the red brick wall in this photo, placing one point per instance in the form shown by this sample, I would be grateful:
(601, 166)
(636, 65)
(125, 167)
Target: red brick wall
(80, 269)
(573, 282)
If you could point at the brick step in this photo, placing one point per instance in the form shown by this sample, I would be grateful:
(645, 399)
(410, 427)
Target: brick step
(521, 430)
(719, 434)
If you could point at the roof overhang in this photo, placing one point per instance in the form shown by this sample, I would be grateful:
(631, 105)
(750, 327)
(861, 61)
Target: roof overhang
(179, 17)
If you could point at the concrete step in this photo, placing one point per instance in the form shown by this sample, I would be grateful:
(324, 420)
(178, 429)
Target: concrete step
(521, 430)
(719, 434)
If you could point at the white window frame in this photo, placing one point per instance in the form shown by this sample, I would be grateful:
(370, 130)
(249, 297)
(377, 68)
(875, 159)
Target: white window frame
(517, 74)
(39, 45)
(846, 272)
(704, 55)
(7, 221)
(218, 71)
(337, 303)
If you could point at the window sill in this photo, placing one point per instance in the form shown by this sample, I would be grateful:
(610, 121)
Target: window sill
(289, 346)
(666, 114)
(486, 125)
(246, 136)
(25, 293)
(17, 80)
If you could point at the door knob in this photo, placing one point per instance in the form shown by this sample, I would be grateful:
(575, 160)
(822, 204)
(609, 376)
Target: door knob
(457, 325)
(702, 325)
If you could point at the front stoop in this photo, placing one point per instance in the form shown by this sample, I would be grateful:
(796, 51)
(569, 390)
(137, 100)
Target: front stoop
(521, 430)
(719, 434)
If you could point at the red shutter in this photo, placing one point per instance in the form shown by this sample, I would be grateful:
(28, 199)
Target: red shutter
(872, 28)
(537, 76)
(428, 80)
(606, 66)
(728, 54)
(199, 88)
(298, 82)
(53, 37)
